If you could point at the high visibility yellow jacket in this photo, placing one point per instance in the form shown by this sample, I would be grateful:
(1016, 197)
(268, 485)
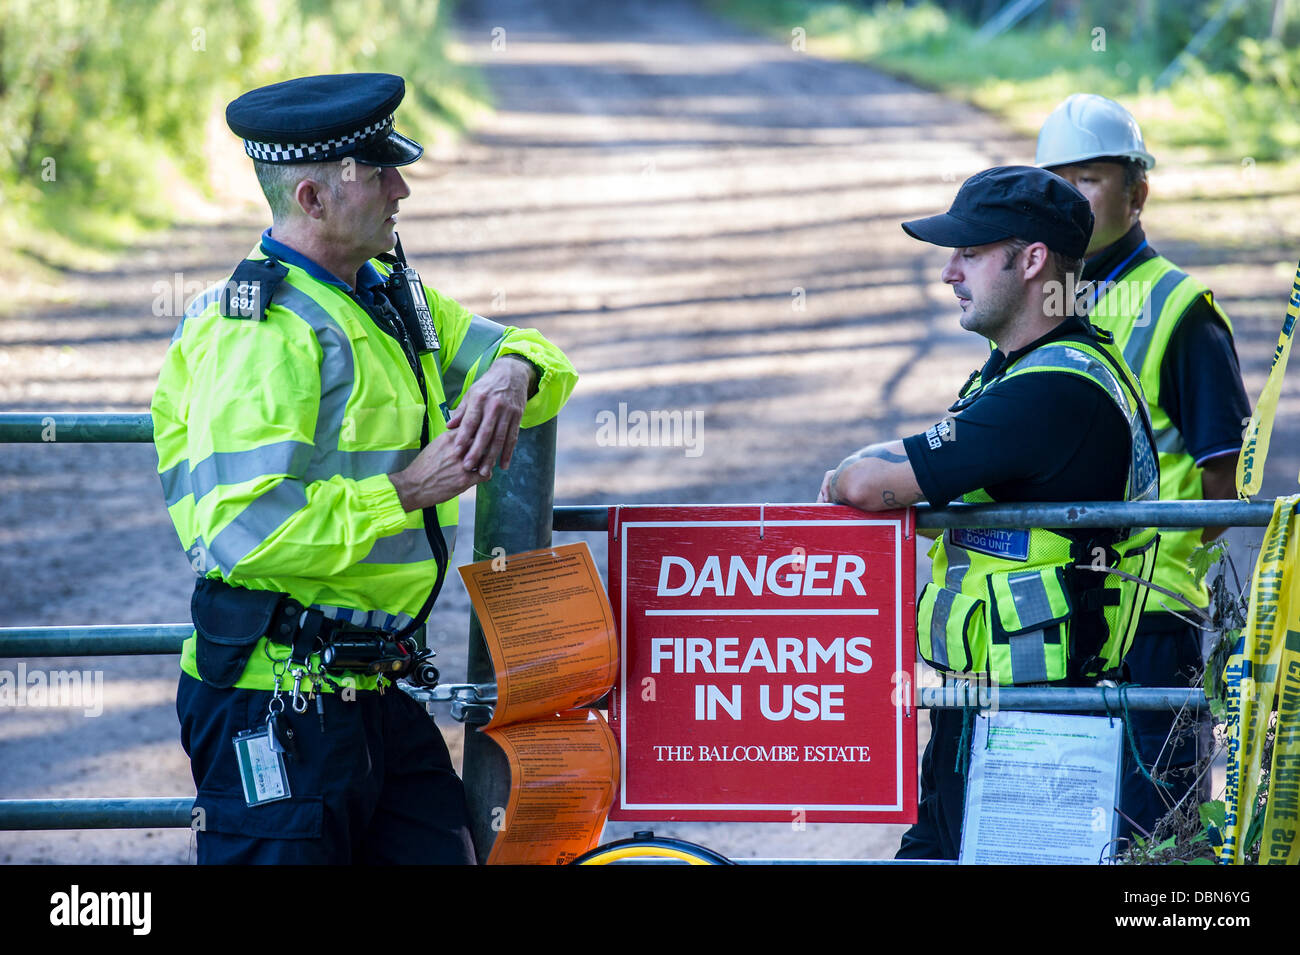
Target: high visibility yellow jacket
(1142, 310)
(275, 439)
(1025, 612)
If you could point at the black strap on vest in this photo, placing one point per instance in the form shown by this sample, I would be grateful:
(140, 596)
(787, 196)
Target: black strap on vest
(1088, 629)
(304, 643)
(1139, 400)
(387, 318)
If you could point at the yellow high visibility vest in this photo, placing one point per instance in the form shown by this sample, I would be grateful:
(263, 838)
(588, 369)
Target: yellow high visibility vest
(1142, 311)
(275, 439)
(1010, 603)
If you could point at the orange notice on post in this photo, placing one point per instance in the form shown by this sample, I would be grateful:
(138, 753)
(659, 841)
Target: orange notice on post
(548, 626)
(563, 774)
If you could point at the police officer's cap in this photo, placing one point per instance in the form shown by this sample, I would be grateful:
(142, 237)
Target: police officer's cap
(324, 118)
(1011, 202)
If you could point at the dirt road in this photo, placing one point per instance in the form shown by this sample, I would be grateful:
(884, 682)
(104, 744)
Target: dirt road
(704, 220)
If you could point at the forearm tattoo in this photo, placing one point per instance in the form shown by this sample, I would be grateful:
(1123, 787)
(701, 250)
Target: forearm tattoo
(875, 451)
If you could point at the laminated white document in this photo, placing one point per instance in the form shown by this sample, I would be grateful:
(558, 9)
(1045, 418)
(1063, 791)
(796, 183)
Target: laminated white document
(1041, 789)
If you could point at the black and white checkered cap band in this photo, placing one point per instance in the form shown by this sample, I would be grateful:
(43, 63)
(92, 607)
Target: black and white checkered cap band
(315, 152)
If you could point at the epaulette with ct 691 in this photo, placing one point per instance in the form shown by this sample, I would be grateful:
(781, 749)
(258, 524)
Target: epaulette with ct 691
(251, 288)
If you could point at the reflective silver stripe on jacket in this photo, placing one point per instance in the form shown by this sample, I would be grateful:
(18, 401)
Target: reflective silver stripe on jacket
(281, 458)
(1139, 343)
(233, 467)
(1029, 594)
(939, 627)
(197, 307)
(337, 372)
(482, 338)
(1170, 441)
(958, 565)
(411, 546)
(255, 523)
(1028, 657)
(1063, 356)
(376, 619)
(288, 457)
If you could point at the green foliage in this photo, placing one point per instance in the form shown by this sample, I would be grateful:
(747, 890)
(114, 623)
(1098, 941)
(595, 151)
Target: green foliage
(1214, 817)
(1205, 557)
(1239, 97)
(1189, 835)
(103, 107)
(1212, 682)
(1255, 831)
(1191, 847)
(1228, 609)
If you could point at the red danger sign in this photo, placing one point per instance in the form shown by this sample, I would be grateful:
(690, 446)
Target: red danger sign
(765, 667)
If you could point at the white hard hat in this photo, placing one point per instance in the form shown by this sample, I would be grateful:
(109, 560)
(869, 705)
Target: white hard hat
(1087, 126)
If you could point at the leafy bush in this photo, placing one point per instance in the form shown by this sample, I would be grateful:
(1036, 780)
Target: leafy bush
(97, 100)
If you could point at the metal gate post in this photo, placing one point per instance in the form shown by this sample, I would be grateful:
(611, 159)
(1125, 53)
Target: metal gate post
(512, 512)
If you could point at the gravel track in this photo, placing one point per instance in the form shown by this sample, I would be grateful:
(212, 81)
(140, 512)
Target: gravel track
(704, 220)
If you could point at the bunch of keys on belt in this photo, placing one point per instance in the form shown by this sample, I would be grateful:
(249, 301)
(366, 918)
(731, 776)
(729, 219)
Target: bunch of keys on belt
(279, 729)
(260, 754)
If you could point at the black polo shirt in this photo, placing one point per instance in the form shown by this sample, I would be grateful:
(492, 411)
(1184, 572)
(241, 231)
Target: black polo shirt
(1200, 379)
(1031, 438)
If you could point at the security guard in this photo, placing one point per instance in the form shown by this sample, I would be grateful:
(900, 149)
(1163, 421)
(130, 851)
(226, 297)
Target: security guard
(1178, 341)
(315, 419)
(1022, 606)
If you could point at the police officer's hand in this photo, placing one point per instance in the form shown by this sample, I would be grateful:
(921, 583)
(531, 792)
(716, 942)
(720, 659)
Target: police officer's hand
(824, 495)
(486, 423)
(436, 475)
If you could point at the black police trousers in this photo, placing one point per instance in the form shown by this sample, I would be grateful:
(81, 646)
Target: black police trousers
(376, 787)
(937, 832)
(1166, 652)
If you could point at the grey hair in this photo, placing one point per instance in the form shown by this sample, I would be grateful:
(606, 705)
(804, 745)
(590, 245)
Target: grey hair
(280, 180)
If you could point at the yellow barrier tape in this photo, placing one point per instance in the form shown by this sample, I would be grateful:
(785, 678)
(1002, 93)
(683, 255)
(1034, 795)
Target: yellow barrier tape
(1254, 446)
(1266, 659)
(1281, 839)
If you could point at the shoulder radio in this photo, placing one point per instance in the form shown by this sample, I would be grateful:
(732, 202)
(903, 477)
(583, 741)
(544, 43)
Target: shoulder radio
(406, 293)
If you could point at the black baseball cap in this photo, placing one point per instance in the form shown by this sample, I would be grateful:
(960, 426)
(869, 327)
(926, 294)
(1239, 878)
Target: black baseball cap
(1011, 202)
(324, 118)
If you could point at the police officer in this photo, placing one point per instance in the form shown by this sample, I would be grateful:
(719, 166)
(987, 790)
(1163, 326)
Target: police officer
(1178, 341)
(315, 419)
(1054, 415)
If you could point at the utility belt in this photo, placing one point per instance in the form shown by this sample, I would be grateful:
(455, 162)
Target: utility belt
(230, 620)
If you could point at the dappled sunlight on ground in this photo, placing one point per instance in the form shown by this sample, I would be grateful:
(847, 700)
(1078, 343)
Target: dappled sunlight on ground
(706, 222)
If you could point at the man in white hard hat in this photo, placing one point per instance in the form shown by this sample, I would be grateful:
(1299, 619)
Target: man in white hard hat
(1178, 341)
